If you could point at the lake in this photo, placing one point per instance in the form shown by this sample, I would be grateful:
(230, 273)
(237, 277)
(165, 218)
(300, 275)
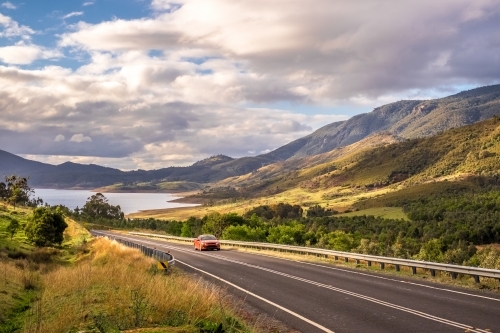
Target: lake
(129, 202)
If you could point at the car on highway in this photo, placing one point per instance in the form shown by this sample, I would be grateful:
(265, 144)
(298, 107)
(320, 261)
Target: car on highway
(206, 242)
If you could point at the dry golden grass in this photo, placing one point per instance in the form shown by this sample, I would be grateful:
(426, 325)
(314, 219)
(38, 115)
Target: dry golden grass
(119, 288)
(294, 196)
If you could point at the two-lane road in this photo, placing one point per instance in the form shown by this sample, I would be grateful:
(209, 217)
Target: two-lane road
(317, 298)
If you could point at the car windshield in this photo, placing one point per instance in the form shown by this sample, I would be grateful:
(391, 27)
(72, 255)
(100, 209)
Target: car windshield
(208, 237)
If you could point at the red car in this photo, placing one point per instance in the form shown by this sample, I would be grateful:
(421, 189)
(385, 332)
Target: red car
(206, 242)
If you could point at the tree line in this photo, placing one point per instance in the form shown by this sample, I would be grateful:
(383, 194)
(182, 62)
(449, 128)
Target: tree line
(447, 230)
(440, 228)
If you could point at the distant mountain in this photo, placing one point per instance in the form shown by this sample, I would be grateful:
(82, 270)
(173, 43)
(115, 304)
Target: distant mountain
(74, 175)
(13, 164)
(404, 119)
(407, 119)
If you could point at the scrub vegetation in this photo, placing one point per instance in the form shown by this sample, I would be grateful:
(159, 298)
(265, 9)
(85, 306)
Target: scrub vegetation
(96, 285)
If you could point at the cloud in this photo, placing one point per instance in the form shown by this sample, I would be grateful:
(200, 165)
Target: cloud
(72, 14)
(23, 54)
(10, 28)
(89, 3)
(288, 125)
(79, 138)
(8, 5)
(344, 50)
(59, 138)
(196, 78)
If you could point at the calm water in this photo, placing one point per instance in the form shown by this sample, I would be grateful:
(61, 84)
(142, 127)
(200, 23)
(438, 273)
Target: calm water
(129, 202)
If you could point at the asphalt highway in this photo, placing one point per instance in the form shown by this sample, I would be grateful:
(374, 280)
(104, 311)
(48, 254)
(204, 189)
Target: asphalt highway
(318, 298)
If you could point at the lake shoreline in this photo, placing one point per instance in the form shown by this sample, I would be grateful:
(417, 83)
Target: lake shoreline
(130, 202)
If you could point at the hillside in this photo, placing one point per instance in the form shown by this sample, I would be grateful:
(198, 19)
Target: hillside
(463, 159)
(302, 168)
(407, 119)
(468, 150)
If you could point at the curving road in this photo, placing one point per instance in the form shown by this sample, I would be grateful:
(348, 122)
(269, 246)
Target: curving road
(317, 298)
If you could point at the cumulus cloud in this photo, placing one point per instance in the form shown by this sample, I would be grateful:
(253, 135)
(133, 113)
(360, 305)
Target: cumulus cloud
(23, 54)
(88, 3)
(59, 138)
(202, 77)
(288, 125)
(79, 138)
(10, 28)
(336, 50)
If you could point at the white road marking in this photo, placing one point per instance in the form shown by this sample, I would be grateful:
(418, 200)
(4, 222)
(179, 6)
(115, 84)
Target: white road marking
(378, 277)
(373, 276)
(371, 299)
(261, 298)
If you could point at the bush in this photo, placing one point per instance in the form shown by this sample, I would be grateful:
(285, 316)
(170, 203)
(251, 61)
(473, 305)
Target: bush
(45, 227)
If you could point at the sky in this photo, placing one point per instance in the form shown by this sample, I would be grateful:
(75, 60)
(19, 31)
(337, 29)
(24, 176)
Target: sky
(141, 84)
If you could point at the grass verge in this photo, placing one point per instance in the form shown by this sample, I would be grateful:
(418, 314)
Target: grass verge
(98, 285)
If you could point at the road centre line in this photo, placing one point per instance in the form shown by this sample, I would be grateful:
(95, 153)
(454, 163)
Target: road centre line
(371, 299)
(368, 275)
(367, 298)
(378, 277)
(261, 298)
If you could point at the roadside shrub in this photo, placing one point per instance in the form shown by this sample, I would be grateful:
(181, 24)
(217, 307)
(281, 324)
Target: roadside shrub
(244, 233)
(287, 234)
(45, 227)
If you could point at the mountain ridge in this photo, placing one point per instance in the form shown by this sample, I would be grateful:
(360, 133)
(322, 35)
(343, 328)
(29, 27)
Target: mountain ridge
(406, 119)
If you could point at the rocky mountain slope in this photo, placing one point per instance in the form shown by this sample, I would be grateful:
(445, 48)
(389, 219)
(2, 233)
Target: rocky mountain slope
(407, 119)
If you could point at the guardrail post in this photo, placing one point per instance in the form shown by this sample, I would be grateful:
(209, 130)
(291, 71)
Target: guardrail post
(453, 270)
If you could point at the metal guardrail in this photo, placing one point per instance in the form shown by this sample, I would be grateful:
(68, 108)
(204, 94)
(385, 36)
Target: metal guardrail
(147, 251)
(475, 272)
